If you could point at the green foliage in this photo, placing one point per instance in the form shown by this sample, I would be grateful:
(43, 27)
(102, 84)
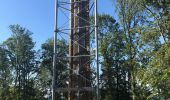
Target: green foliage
(158, 73)
(5, 75)
(112, 50)
(22, 60)
(145, 23)
(45, 73)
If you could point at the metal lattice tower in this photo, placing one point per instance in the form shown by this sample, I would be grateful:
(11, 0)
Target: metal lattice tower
(81, 49)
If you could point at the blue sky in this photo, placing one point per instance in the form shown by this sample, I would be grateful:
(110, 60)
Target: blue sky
(37, 16)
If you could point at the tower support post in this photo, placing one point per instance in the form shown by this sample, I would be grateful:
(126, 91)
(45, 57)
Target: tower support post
(96, 53)
(55, 51)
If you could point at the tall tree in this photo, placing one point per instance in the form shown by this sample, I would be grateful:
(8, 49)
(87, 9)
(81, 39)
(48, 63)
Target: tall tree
(22, 59)
(130, 14)
(112, 50)
(46, 71)
(157, 39)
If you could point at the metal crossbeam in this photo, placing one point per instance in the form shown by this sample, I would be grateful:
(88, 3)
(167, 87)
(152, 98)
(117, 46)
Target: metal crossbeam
(75, 89)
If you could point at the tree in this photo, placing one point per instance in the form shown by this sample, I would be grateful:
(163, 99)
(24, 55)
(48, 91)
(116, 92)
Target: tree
(131, 16)
(46, 72)
(154, 50)
(5, 75)
(112, 50)
(159, 11)
(22, 60)
(158, 74)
